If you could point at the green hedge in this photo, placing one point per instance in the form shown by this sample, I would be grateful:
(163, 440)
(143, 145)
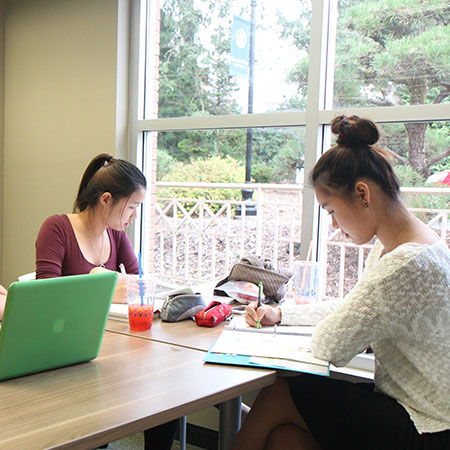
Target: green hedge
(212, 170)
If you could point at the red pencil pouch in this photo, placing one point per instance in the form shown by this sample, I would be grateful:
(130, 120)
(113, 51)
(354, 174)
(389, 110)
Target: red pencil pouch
(213, 314)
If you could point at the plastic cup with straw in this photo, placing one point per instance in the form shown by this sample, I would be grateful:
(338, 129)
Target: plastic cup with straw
(140, 293)
(308, 258)
(306, 289)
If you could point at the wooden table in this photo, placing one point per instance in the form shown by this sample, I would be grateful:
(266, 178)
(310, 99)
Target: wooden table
(188, 335)
(183, 334)
(133, 385)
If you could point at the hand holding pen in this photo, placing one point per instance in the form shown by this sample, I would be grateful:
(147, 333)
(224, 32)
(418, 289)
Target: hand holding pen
(122, 271)
(257, 313)
(120, 292)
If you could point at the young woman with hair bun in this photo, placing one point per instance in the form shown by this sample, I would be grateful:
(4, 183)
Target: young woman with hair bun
(400, 308)
(93, 239)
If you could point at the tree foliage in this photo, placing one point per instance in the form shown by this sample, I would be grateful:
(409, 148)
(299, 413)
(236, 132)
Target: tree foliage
(194, 79)
(390, 53)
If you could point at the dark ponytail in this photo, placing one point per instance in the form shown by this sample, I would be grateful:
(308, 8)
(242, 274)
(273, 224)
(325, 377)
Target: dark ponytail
(106, 174)
(354, 157)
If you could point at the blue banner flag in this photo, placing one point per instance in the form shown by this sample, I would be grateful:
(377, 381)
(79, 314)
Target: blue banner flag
(240, 43)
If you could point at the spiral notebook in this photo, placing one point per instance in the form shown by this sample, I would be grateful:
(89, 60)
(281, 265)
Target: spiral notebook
(279, 347)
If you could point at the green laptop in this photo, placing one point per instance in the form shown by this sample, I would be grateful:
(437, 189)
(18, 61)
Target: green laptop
(54, 322)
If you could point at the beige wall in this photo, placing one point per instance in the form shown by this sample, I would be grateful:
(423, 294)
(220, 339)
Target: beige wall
(60, 111)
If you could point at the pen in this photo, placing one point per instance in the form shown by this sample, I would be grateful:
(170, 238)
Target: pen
(260, 286)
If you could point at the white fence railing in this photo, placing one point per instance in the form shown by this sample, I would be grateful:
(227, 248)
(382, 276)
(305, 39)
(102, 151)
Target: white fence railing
(198, 240)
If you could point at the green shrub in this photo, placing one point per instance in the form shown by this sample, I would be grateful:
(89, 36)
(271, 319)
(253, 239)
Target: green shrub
(262, 173)
(165, 163)
(407, 176)
(212, 170)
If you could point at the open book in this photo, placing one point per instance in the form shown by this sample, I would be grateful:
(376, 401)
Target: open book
(280, 347)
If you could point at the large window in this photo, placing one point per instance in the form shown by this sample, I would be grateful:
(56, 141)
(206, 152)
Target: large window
(392, 53)
(388, 60)
(228, 57)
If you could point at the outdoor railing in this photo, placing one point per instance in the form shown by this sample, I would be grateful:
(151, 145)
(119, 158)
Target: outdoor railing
(198, 240)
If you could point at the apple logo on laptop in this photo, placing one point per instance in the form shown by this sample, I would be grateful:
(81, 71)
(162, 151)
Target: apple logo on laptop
(58, 325)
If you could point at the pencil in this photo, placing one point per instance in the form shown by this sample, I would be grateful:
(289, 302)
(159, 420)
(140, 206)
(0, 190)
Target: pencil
(260, 286)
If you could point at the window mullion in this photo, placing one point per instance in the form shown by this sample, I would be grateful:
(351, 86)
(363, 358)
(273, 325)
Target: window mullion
(314, 131)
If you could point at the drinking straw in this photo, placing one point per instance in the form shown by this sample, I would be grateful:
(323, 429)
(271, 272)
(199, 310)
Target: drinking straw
(308, 257)
(140, 279)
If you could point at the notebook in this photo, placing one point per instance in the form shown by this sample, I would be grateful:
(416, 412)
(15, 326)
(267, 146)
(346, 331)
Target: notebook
(54, 322)
(279, 347)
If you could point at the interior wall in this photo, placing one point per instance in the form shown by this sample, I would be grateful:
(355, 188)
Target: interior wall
(60, 111)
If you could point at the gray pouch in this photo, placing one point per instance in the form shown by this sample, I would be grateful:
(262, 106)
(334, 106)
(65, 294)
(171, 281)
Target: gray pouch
(181, 307)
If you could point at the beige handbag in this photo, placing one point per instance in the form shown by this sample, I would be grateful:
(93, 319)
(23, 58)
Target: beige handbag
(253, 269)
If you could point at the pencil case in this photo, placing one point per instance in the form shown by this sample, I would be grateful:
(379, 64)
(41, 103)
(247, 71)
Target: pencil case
(213, 314)
(181, 306)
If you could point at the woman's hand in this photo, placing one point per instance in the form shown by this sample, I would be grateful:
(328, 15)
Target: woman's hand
(120, 293)
(268, 315)
(99, 269)
(3, 294)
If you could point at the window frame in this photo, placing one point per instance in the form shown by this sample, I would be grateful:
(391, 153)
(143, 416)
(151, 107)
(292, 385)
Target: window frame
(315, 118)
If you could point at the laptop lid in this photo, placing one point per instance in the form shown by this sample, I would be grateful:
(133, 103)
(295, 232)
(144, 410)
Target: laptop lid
(54, 322)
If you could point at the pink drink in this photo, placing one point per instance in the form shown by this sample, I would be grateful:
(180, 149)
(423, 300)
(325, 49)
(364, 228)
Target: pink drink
(140, 316)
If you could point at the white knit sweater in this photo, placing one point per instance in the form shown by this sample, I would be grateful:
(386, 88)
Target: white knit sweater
(401, 308)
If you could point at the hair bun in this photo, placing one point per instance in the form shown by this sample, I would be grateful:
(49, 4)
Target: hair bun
(354, 131)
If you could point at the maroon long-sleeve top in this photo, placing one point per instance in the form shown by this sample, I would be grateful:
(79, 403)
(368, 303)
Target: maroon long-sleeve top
(58, 253)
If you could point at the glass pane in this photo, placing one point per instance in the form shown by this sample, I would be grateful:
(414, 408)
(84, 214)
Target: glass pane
(277, 154)
(419, 150)
(201, 228)
(392, 52)
(199, 39)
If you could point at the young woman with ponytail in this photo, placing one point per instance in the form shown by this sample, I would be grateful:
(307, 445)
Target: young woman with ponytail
(400, 308)
(93, 239)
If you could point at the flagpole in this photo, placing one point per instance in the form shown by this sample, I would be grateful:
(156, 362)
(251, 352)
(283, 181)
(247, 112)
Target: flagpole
(247, 194)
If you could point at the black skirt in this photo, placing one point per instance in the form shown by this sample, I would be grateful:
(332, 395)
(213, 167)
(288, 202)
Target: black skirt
(352, 416)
